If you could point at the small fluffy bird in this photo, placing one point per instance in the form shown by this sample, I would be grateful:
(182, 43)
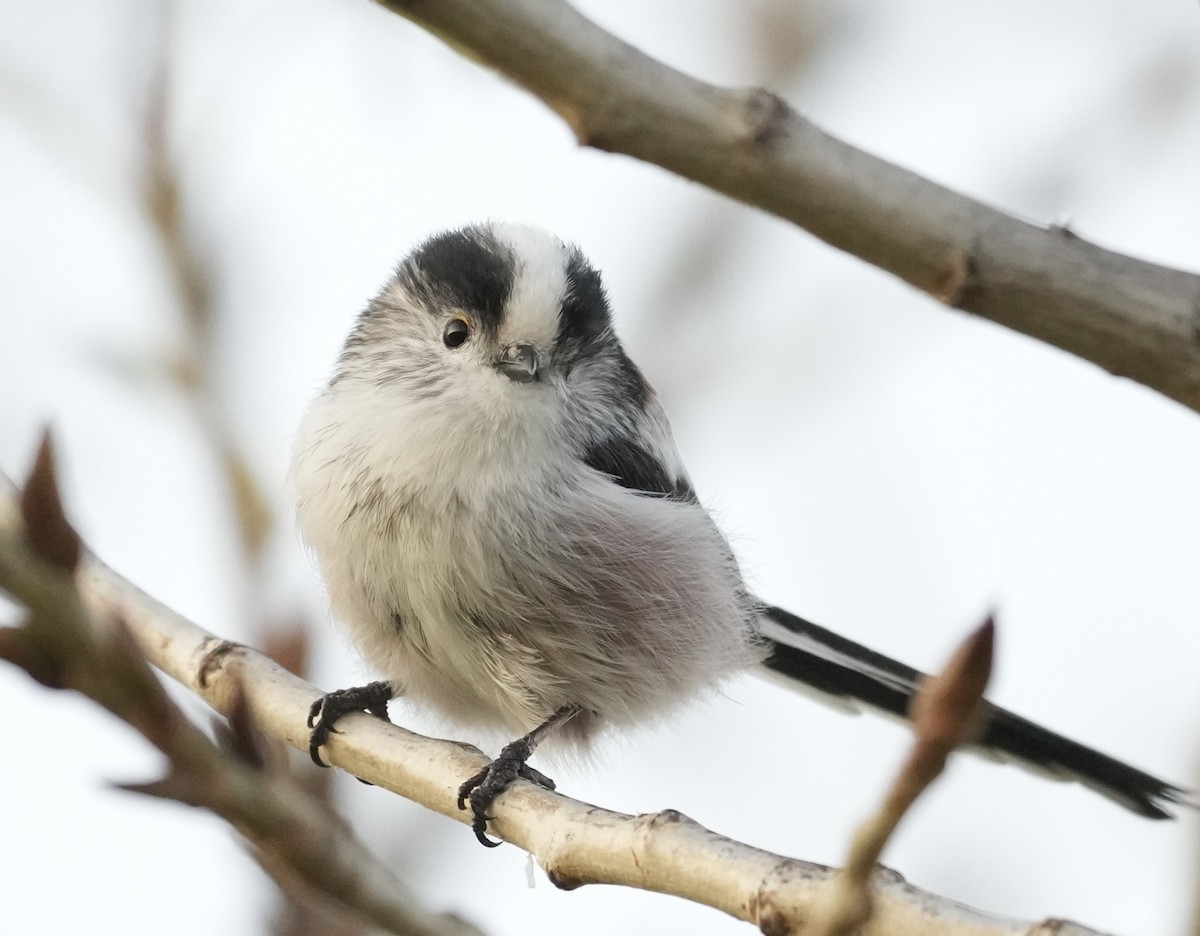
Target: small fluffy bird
(504, 526)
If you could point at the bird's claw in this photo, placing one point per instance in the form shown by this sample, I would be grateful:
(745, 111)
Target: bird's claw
(483, 788)
(325, 712)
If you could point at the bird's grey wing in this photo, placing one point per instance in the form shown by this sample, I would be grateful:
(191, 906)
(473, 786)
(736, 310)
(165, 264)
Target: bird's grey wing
(638, 451)
(632, 465)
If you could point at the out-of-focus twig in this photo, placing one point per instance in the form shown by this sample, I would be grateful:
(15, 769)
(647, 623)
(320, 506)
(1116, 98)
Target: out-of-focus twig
(196, 368)
(67, 642)
(783, 40)
(946, 714)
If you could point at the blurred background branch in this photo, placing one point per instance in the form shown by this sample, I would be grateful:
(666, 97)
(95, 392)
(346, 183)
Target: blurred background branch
(198, 373)
(1133, 318)
(295, 836)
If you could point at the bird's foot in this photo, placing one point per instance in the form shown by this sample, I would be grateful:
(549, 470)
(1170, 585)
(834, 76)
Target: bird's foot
(325, 712)
(490, 782)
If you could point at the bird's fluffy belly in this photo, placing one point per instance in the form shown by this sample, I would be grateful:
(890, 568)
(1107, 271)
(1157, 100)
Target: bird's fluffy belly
(500, 629)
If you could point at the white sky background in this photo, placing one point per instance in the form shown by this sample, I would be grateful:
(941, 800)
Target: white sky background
(885, 466)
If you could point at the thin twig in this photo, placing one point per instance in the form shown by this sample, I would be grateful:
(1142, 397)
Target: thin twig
(946, 714)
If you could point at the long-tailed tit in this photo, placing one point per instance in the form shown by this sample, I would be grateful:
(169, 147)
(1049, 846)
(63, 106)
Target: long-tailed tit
(504, 526)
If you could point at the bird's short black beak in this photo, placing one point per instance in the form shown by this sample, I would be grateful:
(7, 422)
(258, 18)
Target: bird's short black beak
(519, 362)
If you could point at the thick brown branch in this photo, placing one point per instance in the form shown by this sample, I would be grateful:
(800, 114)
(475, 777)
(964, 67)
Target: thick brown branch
(1130, 317)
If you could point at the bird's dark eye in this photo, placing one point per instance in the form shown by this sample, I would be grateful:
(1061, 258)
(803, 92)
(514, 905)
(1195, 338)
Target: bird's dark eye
(457, 332)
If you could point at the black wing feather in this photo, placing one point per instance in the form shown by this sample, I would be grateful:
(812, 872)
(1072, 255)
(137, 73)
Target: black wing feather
(633, 466)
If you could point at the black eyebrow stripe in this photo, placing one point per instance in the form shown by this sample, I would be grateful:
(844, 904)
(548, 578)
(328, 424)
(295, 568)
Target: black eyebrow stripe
(467, 268)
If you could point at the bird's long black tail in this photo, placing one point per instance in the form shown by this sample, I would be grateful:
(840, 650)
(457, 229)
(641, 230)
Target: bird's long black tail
(844, 671)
